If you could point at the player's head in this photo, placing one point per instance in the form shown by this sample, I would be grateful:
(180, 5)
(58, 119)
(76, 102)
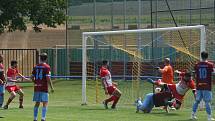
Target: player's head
(1, 58)
(104, 63)
(43, 57)
(13, 64)
(177, 104)
(187, 76)
(167, 61)
(204, 55)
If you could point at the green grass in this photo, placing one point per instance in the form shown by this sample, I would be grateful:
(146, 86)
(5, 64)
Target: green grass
(65, 106)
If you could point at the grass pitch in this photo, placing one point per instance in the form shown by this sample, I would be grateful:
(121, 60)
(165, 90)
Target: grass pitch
(65, 106)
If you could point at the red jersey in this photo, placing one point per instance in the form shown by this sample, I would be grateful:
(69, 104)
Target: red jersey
(159, 99)
(180, 89)
(106, 76)
(11, 75)
(203, 72)
(40, 72)
(2, 72)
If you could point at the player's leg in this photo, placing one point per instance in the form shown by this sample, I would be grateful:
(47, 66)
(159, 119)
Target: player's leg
(12, 96)
(207, 96)
(199, 96)
(116, 94)
(1, 95)
(36, 99)
(36, 109)
(45, 105)
(147, 104)
(21, 95)
(112, 97)
(138, 104)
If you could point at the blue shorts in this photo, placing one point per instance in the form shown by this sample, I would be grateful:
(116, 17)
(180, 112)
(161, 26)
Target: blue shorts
(206, 95)
(2, 89)
(41, 97)
(148, 103)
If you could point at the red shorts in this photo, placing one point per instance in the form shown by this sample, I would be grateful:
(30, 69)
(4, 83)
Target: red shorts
(13, 88)
(111, 89)
(175, 94)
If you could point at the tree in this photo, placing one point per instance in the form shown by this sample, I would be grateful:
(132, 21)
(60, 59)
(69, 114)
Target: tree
(16, 14)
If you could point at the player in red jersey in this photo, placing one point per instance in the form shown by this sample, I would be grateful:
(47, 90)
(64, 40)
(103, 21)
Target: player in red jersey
(178, 90)
(203, 74)
(154, 100)
(41, 78)
(11, 85)
(109, 87)
(2, 81)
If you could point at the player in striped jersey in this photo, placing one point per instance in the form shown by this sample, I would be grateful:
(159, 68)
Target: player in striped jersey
(109, 87)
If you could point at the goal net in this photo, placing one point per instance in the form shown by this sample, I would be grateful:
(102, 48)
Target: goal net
(133, 56)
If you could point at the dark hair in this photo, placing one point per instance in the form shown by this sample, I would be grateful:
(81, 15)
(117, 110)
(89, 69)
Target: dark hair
(43, 56)
(187, 74)
(13, 62)
(204, 55)
(104, 62)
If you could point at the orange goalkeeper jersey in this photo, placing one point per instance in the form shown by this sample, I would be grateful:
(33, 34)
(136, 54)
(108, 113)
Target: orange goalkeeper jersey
(167, 74)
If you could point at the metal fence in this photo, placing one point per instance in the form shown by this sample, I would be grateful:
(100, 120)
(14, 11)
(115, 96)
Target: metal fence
(94, 15)
(26, 58)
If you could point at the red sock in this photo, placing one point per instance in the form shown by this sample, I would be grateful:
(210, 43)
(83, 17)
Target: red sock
(9, 100)
(116, 99)
(110, 99)
(20, 101)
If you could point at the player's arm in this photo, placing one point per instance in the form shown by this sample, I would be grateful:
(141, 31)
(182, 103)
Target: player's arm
(213, 75)
(194, 93)
(48, 78)
(11, 80)
(165, 69)
(158, 83)
(2, 74)
(19, 74)
(104, 87)
(32, 77)
(1, 81)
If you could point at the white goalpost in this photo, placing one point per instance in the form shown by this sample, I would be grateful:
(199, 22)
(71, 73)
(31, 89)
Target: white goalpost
(174, 33)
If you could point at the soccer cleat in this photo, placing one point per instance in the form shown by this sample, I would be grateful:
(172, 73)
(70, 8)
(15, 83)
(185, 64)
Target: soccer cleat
(172, 108)
(21, 107)
(211, 119)
(113, 107)
(166, 108)
(43, 120)
(193, 116)
(5, 107)
(138, 104)
(35, 120)
(105, 105)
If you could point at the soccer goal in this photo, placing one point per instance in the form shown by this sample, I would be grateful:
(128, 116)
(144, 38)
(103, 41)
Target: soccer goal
(133, 56)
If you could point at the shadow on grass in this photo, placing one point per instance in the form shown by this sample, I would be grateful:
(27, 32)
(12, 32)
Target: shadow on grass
(1, 117)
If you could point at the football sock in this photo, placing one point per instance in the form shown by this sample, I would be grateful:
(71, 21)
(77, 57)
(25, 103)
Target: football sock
(44, 110)
(35, 112)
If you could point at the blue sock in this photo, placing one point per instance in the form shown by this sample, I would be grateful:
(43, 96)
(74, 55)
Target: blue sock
(35, 112)
(208, 108)
(44, 110)
(1, 99)
(195, 106)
